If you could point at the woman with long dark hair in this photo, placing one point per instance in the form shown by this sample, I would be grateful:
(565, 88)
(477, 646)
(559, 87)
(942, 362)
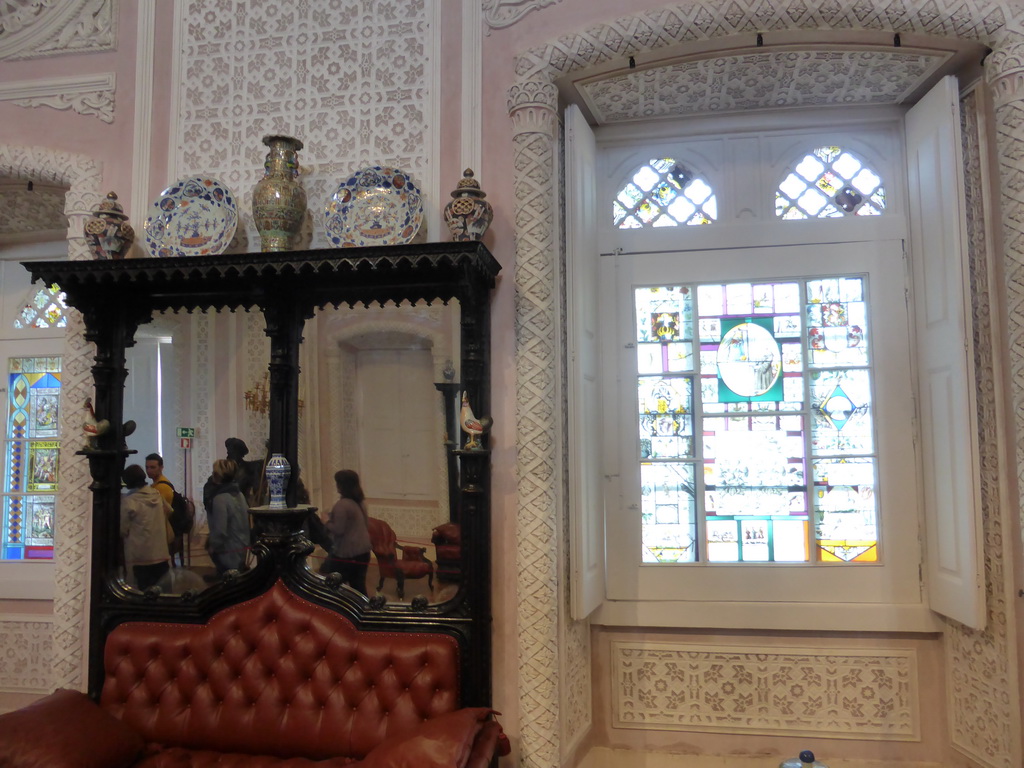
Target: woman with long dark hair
(348, 524)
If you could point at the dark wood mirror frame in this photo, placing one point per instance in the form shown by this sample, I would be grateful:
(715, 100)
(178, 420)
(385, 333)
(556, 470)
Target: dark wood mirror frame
(116, 297)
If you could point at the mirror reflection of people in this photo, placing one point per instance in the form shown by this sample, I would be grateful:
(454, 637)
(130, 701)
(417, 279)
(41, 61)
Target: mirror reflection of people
(246, 472)
(228, 519)
(155, 472)
(144, 528)
(348, 526)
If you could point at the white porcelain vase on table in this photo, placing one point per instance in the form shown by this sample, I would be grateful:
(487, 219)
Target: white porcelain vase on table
(277, 473)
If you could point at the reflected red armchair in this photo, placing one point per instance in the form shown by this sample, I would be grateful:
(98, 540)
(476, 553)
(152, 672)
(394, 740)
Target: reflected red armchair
(447, 541)
(412, 565)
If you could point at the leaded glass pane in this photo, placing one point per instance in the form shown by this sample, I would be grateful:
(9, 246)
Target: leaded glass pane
(866, 181)
(44, 308)
(31, 455)
(829, 182)
(846, 165)
(646, 178)
(841, 412)
(810, 168)
(668, 512)
(844, 509)
(836, 322)
(774, 438)
(665, 410)
(664, 194)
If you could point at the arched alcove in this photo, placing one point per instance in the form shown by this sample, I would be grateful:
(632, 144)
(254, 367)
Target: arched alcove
(82, 175)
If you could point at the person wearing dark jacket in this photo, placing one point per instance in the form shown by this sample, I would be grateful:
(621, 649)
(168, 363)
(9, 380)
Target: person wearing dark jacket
(229, 519)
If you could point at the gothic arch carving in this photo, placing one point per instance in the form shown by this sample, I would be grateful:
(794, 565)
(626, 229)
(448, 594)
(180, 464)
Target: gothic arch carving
(548, 729)
(82, 175)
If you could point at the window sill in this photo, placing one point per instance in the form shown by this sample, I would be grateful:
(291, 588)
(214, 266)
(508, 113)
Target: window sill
(26, 581)
(832, 617)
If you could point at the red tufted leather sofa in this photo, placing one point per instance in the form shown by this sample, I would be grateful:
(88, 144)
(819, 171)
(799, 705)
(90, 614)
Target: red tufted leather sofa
(276, 681)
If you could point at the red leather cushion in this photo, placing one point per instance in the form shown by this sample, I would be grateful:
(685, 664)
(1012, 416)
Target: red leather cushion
(66, 730)
(444, 742)
(177, 757)
(277, 676)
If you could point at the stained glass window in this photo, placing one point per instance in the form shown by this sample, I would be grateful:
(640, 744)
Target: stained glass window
(755, 422)
(32, 451)
(44, 308)
(664, 193)
(830, 182)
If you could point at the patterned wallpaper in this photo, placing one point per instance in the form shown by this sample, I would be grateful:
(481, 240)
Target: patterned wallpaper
(350, 78)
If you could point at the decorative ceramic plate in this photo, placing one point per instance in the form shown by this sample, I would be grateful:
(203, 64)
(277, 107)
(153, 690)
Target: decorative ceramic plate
(374, 206)
(195, 216)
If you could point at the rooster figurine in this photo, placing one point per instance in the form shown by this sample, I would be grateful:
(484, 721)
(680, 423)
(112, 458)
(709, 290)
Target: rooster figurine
(93, 427)
(472, 426)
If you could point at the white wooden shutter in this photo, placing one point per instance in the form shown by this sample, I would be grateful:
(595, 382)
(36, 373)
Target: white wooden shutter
(586, 494)
(945, 358)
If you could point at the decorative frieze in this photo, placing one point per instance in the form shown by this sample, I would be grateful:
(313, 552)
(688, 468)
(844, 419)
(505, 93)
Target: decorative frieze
(86, 95)
(25, 665)
(827, 692)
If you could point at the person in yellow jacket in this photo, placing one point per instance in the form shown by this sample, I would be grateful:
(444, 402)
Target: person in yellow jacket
(155, 472)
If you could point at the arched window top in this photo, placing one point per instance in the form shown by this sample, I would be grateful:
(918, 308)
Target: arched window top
(44, 308)
(830, 182)
(664, 193)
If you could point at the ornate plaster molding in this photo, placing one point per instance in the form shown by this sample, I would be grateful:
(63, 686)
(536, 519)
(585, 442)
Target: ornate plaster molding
(533, 108)
(804, 79)
(504, 13)
(86, 95)
(1005, 71)
(25, 665)
(51, 27)
(852, 693)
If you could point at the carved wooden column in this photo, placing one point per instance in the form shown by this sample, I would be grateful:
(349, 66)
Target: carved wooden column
(284, 327)
(111, 326)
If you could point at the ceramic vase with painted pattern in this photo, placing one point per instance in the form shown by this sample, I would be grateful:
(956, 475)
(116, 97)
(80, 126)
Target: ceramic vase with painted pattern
(107, 230)
(278, 472)
(468, 215)
(278, 199)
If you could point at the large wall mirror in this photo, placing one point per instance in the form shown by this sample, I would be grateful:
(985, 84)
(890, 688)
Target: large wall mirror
(362, 356)
(377, 388)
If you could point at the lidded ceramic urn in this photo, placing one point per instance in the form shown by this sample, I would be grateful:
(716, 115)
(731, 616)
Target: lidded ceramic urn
(278, 199)
(468, 215)
(107, 231)
(278, 472)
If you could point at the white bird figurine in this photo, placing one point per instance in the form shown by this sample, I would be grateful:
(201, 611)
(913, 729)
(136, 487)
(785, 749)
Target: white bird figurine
(472, 426)
(93, 427)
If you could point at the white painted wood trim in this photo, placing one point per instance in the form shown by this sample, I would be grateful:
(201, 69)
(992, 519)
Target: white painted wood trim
(143, 118)
(472, 88)
(57, 86)
(177, 67)
(431, 182)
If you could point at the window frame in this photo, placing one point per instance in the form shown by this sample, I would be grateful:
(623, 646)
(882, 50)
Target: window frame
(26, 579)
(745, 225)
(893, 579)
